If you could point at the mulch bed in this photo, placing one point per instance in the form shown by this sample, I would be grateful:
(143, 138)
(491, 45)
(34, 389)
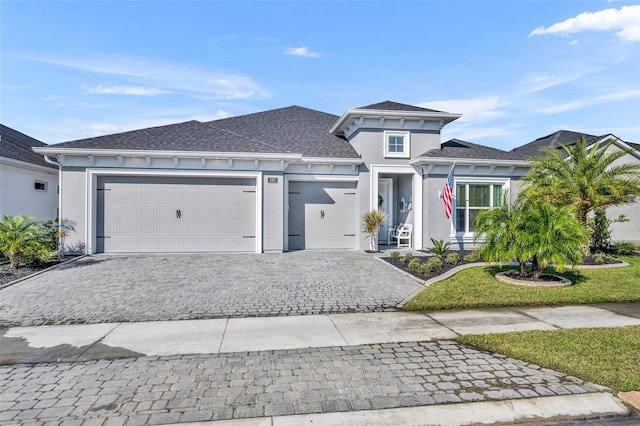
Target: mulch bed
(446, 267)
(7, 274)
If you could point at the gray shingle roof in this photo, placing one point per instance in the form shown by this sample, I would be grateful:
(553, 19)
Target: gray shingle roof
(456, 148)
(396, 106)
(293, 129)
(17, 146)
(554, 140)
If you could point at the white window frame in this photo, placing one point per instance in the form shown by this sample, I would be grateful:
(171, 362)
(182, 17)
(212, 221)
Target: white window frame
(406, 152)
(464, 234)
(43, 183)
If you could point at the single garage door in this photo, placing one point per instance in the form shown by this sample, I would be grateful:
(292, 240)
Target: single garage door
(322, 215)
(155, 214)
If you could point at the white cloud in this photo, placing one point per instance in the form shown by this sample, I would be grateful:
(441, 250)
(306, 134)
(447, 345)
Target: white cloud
(606, 98)
(167, 76)
(125, 90)
(473, 109)
(301, 51)
(625, 21)
(537, 82)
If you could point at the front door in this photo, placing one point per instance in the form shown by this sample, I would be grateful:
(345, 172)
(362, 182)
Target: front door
(385, 204)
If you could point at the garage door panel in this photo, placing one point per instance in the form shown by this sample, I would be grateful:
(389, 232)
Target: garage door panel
(215, 214)
(321, 215)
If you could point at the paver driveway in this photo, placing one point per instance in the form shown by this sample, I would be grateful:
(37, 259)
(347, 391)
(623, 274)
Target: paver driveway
(192, 286)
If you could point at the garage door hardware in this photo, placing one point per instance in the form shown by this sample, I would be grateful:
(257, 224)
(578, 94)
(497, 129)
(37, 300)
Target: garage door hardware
(248, 236)
(349, 193)
(178, 214)
(102, 189)
(250, 191)
(349, 235)
(321, 214)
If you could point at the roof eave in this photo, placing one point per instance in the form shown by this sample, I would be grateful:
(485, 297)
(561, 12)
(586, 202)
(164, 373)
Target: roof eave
(431, 116)
(167, 154)
(466, 161)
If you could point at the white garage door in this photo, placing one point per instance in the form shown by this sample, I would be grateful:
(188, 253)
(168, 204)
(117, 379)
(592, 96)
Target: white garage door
(322, 215)
(144, 214)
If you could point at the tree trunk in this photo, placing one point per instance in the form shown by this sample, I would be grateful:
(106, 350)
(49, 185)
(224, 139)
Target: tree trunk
(523, 269)
(581, 215)
(13, 260)
(535, 267)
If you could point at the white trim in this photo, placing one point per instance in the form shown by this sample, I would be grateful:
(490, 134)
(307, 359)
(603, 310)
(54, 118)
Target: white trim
(406, 144)
(467, 161)
(91, 198)
(29, 166)
(417, 188)
(445, 117)
(312, 178)
(166, 154)
(468, 237)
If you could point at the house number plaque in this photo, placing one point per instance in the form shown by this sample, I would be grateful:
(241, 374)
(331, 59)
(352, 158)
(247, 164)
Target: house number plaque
(272, 180)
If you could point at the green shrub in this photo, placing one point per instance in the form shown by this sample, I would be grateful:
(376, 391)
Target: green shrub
(425, 269)
(435, 263)
(452, 258)
(624, 248)
(414, 264)
(394, 254)
(406, 258)
(440, 247)
(598, 258)
(22, 239)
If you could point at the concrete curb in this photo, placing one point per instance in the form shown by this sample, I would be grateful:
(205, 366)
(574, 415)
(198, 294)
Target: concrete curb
(566, 407)
(604, 266)
(35, 274)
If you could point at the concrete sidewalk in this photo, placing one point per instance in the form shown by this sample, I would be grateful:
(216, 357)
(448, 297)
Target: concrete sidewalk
(70, 343)
(346, 369)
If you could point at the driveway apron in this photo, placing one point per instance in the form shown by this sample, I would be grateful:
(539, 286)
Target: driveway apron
(105, 288)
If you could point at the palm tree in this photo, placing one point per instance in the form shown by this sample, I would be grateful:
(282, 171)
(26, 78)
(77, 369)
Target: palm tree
(22, 236)
(552, 235)
(371, 223)
(531, 231)
(582, 177)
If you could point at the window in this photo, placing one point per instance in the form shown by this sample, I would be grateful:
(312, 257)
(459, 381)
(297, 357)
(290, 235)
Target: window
(471, 199)
(396, 144)
(40, 186)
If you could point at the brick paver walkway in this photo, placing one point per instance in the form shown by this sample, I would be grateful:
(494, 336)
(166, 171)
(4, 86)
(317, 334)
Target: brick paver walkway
(160, 390)
(169, 287)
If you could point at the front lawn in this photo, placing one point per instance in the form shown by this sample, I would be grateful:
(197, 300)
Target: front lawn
(478, 288)
(606, 356)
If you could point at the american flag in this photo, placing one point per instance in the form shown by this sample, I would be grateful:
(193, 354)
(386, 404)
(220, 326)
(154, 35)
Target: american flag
(447, 194)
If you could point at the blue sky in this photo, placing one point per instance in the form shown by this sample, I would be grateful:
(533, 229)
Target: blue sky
(516, 70)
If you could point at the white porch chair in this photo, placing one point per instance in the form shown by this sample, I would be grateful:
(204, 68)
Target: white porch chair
(402, 235)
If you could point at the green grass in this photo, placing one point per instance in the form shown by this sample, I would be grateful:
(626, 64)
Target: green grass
(477, 288)
(606, 356)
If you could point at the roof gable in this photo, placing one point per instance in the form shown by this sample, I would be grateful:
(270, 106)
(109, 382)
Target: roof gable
(396, 106)
(456, 148)
(17, 146)
(554, 140)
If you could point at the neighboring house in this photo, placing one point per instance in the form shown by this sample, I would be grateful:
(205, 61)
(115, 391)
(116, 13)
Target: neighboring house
(621, 231)
(28, 184)
(285, 179)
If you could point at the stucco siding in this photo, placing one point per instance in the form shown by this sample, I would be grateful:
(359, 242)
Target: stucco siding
(273, 212)
(73, 187)
(18, 195)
